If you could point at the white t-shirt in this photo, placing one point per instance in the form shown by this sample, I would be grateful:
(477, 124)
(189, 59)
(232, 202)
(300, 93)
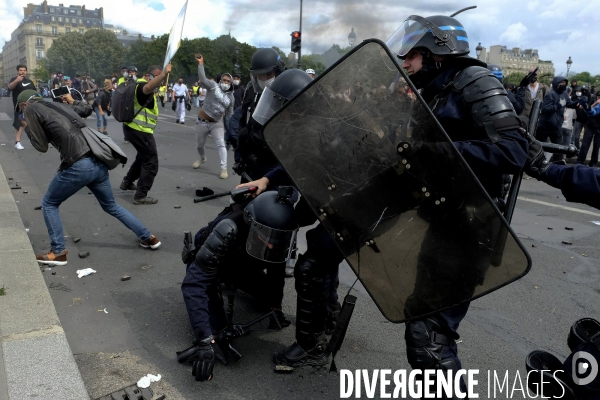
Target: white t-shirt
(180, 90)
(570, 115)
(534, 90)
(201, 93)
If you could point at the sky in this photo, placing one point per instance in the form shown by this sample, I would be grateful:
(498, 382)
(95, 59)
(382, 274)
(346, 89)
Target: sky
(557, 28)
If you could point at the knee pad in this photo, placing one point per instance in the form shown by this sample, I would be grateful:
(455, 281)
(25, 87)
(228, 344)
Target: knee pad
(308, 277)
(215, 247)
(311, 307)
(425, 344)
(585, 330)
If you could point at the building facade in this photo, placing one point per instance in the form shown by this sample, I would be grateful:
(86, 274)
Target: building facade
(515, 60)
(42, 23)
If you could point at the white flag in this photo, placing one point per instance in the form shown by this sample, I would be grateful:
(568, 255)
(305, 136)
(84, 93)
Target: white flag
(175, 35)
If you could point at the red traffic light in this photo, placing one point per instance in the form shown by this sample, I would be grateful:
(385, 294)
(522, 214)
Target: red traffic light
(295, 34)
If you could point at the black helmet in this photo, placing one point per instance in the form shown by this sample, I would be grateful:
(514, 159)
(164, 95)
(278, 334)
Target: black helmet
(132, 68)
(283, 88)
(439, 34)
(496, 70)
(265, 61)
(273, 227)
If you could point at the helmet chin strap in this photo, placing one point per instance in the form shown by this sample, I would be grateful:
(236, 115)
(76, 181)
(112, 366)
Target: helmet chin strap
(429, 71)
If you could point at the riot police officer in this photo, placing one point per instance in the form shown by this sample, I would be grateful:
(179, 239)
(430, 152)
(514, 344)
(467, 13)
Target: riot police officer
(221, 244)
(473, 108)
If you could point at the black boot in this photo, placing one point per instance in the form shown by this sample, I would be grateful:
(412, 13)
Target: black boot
(294, 356)
(127, 185)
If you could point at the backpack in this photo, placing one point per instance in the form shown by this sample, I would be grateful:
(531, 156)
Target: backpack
(122, 102)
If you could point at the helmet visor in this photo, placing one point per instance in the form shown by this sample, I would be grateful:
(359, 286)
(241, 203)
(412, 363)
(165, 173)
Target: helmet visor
(268, 105)
(406, 37)
(268, 244)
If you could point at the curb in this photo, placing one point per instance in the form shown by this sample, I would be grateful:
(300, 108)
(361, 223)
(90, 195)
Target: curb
(35, 357)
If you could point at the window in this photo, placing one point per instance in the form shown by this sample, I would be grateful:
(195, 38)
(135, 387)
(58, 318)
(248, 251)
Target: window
(79, 13)
(66, 11)
(53, 18)
(39, 42)
(67, 20)
(38, 28)
(60, 19)
(68, 30)
(55, 30)
(81, 31)
(52, 10)
(80, 21)
(39, 54)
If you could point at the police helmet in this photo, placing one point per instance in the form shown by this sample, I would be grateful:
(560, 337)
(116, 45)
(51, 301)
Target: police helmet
(273, 226)
(496, 70)
(283, 88)
(265, 61)
(132, 69)
(439, 34)
(310, 71)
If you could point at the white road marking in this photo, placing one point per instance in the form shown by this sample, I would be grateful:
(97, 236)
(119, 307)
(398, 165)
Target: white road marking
(559, 206)
(5, 117)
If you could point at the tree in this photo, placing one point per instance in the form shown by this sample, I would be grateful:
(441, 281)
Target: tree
(41, 72)
(313, 61)
(70, 52)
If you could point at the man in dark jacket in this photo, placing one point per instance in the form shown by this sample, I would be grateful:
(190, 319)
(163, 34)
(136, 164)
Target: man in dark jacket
(57, 124)
(552, 115)
(238, 90)
(591, 134)
(583, 94)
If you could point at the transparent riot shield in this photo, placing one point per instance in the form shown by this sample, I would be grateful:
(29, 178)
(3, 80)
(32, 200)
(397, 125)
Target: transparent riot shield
(411, 218)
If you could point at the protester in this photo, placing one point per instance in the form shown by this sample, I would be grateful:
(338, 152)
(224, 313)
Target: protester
(591, 133)
(58, 80)
(238, 90)
(17, 85)
(162, 92)
(88, 89)
(140, 133)
(56, 124)
(219, 102)
(201, 97)
(180, 95)
(102, 106)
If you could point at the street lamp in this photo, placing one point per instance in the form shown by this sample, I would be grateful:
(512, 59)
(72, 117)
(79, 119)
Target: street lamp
(351, 38)
(237, 57)
(88, 50)
(478, 50)
(569, 62)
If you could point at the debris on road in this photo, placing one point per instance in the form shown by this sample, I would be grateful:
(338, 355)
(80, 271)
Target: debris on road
(145, 381)
(38, 208)
(26, 229)
(125, 277)
(177, 206)
(550, 228)
(85, 272)
(53, 272)
(25, 191)
(566, 242)
(284, 369)
(10, 179)
(568, 228)
(595, 222)
(76, 240)
(84, 254)
(178, 187)
(16, 187)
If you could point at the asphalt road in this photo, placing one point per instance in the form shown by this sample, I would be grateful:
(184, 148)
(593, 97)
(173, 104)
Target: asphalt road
(145, 321)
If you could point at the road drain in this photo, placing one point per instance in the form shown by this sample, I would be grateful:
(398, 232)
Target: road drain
(130, 393)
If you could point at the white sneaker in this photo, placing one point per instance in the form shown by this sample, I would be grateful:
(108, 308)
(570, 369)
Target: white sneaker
(19, 146)
(223, 174)
(199, 162)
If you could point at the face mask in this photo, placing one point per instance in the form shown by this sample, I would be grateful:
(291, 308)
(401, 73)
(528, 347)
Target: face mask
(578, 94)
(133, 77)
(125, 74)
(236, 82)
(264, 84)
(561, 89)
(181, 83)
(225, 86)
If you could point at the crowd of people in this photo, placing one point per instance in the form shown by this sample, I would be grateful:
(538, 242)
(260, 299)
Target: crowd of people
(249, 243)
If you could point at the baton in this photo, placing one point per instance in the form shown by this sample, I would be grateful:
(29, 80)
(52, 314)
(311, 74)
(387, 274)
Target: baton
(232, 193)
(570, 150)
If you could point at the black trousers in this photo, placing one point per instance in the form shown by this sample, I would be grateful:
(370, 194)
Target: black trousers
(145, 166)
(555, 135)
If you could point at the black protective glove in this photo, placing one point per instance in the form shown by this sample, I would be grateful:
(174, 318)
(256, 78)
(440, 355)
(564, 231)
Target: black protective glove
(536, 164)
(188, 107)
(203, 360)
(174, 105)
(528, 78)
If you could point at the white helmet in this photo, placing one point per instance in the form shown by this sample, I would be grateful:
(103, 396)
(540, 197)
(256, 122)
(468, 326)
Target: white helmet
(310, 71)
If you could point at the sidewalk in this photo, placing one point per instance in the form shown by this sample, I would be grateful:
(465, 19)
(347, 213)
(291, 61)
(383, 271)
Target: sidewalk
(35, 358)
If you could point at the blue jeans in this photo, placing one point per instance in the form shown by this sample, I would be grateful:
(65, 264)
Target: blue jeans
(84, 172)
(101, 118)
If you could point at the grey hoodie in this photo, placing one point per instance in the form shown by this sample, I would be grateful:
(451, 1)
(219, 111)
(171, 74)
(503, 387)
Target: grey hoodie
(216, 102)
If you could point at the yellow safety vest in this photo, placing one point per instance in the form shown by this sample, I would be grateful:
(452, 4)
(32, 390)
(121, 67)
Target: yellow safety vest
(195, 89)
(121, 80)
(146, 120)
(162, 90)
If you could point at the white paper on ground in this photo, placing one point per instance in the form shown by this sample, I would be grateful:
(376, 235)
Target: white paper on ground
(595, 222)
(145, 381)
(85, 272)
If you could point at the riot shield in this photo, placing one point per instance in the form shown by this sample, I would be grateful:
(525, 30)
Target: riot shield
(409, 215)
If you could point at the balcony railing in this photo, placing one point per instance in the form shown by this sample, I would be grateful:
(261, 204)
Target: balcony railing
(43, 32)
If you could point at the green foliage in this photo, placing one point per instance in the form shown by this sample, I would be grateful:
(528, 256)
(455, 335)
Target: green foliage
(313, 61)
(70, 52)
(585, 78)
(41, 73)
(516, 78)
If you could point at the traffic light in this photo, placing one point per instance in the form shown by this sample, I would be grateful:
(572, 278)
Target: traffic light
(296, 41)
